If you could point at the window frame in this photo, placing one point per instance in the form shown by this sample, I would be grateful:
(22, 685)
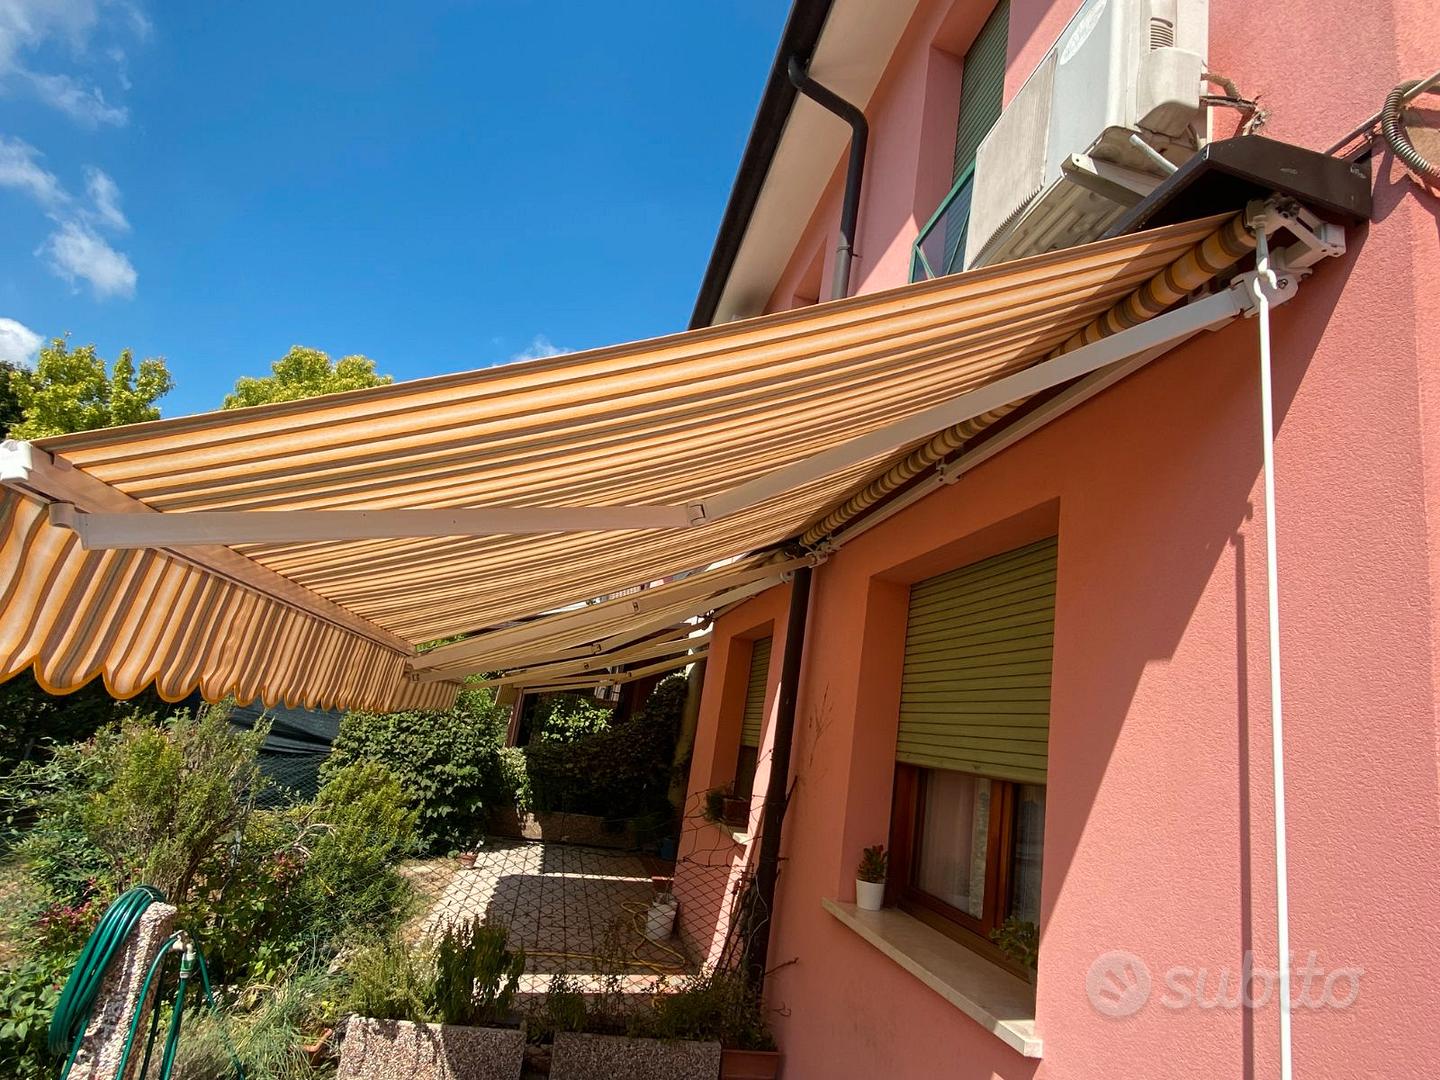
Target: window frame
(907, 822)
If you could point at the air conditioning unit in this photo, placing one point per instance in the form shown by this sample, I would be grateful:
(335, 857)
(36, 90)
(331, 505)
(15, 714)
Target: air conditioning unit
(1080, 142)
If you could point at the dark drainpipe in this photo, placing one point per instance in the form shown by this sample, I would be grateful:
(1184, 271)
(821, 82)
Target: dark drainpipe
(854, 172)
(767, 871)
(776, 796)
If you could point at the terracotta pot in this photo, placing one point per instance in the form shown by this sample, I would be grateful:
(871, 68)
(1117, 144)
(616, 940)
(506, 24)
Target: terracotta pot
(467, 859)
(736, 810)
(318, 1052)
(749, 1064)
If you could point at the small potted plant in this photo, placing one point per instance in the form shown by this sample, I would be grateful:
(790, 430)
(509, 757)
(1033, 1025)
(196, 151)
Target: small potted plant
(1019, 939)
(870, 878)
(724, 807)
(660, 918)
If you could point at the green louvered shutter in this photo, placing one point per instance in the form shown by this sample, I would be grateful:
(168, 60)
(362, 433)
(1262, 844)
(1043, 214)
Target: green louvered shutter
(982, 87)
(982, 93)
(976, 691)
(754, 720)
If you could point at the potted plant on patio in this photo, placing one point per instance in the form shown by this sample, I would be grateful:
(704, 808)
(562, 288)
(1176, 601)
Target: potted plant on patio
(870, 878)
(419, 1013)
(724, 807)
(660, 917)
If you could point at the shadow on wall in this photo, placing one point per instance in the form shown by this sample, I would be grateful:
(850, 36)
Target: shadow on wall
(711, 876)
(1207, 500)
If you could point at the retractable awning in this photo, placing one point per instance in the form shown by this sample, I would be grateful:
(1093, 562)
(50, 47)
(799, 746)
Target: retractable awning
(298, 552)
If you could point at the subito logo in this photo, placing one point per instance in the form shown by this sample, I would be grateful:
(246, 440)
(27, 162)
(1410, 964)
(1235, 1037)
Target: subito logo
(1118, 983)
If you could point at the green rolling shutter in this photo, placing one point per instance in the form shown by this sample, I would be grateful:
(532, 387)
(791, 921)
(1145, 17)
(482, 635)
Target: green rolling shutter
(982, 87)
(754, 719)
(976, 690)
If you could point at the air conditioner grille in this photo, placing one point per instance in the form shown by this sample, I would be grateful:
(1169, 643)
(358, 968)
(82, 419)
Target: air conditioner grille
(1162, 34)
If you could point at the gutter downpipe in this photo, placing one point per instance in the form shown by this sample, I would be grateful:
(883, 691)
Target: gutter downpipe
(777, 795)
(854, 172)
(1265, 280)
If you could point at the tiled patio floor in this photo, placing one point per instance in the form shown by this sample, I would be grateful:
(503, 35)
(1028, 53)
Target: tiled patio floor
(576, 911)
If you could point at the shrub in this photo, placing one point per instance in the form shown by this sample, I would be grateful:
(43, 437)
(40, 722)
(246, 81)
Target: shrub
(177, 788)
(621, 771)
(390, 981)
(366, 829)
(563, 1008)
(465, 976)
(475, 974)
(28, 995)
(303, 879)
(713, 1006)
(450, 764)
(566, 718)
(36, 721)
(267, 1034)
(45, 807)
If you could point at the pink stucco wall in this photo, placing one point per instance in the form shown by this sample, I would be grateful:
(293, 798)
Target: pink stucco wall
(1159, 820)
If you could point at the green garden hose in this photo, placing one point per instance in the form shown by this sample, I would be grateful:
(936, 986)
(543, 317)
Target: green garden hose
(77, 1000)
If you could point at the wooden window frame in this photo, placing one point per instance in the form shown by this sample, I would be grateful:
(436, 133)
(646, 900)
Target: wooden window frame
(907, 822)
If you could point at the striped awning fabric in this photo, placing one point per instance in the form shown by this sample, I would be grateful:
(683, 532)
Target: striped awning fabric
(333, 624)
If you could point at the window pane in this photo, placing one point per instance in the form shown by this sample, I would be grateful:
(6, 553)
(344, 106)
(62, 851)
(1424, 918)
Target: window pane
(1029, 850)
(951, 866)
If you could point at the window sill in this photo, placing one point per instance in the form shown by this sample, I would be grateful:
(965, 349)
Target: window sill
(1001, 1003)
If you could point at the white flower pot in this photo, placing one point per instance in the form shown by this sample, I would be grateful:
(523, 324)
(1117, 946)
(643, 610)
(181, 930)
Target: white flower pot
(660, 920)
(869, 895)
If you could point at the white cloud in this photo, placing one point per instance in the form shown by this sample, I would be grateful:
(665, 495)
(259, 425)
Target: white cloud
(18, 343)
(540, 347)
(76, 252)
(28, 26)
(105, 199)
(86, 105)
(20, 169)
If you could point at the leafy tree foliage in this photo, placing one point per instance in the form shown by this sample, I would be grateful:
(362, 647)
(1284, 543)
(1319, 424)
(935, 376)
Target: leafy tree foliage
(177, 789)
(303, 373)
(11, 412)
(31, 721)
(74, 390)
(452, 765)
(568, 717)
(619, 771)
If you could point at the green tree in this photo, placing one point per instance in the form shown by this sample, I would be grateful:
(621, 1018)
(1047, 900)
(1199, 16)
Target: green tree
(303, 373)
(73, 390)
(11, 412)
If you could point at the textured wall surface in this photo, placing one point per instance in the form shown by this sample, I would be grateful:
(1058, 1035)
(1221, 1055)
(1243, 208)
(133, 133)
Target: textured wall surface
(1159, 827)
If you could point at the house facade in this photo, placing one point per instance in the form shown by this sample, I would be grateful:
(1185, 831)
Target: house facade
(1046, 686)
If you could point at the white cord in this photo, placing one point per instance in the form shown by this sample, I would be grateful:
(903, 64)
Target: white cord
(1265, 280)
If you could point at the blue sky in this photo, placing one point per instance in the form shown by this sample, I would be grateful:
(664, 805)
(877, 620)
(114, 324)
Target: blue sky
(440, 186)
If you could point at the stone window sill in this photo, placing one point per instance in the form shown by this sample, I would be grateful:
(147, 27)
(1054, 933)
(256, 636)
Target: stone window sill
(998, 1001)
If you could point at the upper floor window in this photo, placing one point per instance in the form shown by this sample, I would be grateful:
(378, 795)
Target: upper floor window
(940, 247)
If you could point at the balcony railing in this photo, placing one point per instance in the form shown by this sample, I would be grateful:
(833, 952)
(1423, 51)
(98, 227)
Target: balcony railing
(940, 247)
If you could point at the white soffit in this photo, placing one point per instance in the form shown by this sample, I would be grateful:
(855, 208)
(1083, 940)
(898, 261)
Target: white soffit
(855, 48)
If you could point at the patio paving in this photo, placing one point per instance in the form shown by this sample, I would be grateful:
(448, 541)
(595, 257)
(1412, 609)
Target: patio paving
(576, 911)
